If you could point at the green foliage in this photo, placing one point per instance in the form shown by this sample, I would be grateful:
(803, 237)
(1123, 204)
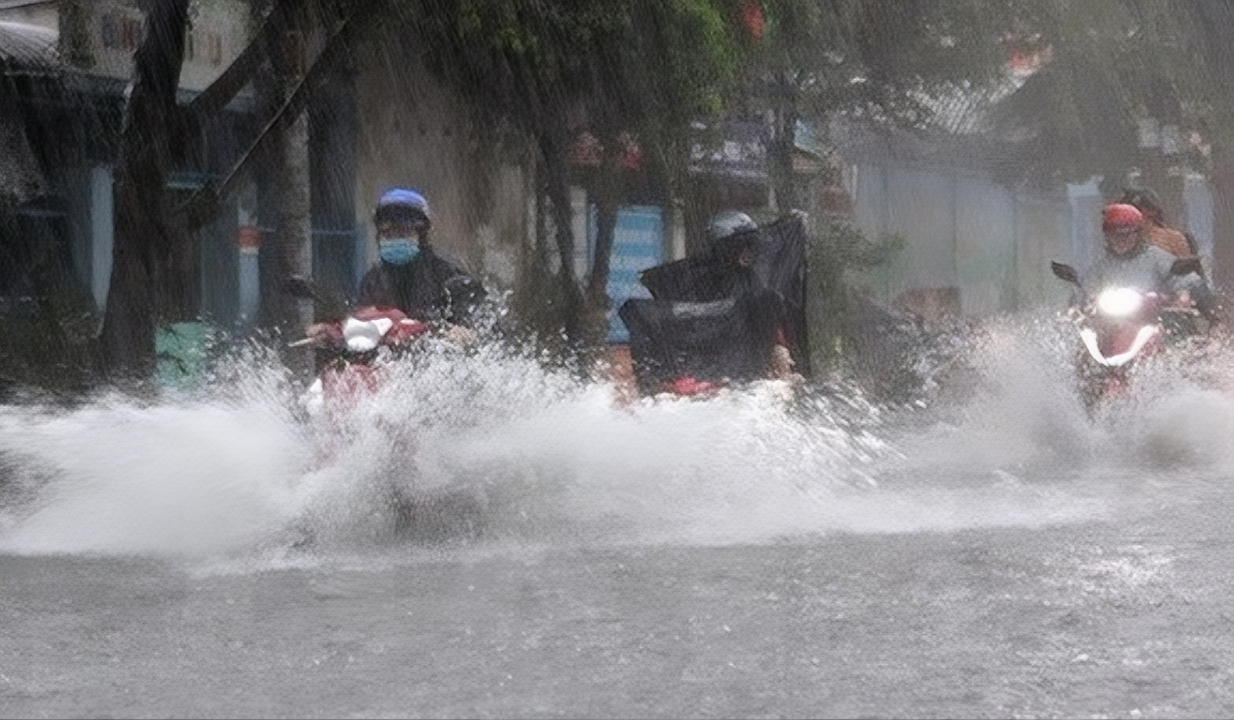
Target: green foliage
(1112, 64)
(870, 59)
(1203, 64)
(626, 62)
(838, 248)
(1075, 117)
(542, 73)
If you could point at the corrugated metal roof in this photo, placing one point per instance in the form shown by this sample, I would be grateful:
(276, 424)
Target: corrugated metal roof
(27, 45)
(964, 110)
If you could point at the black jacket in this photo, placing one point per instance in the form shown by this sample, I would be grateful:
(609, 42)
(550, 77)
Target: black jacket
(429, 288)
(779, 268)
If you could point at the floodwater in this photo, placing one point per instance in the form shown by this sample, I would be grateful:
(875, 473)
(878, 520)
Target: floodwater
(993, 552)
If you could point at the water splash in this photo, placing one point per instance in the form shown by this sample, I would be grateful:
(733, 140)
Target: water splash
(1025, 430)
(487, 445)
(116, 477)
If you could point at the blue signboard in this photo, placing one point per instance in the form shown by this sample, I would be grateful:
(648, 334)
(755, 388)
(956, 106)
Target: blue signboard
(638, 243)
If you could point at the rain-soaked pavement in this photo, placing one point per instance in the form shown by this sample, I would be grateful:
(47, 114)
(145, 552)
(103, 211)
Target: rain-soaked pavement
(997, 553)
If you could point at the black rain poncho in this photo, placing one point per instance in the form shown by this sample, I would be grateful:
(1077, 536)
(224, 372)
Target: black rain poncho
(717, 322)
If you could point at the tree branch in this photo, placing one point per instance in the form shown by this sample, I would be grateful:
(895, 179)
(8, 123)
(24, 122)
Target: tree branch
(241, 70)
(204, 202)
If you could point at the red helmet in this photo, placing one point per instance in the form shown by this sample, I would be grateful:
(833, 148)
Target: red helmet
(1120, 216)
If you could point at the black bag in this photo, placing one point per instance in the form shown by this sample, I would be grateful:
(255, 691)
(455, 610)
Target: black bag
(722, 341)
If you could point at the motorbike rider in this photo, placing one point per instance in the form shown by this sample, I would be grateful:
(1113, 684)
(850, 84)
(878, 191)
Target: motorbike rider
(409, 274)
(733, 240)
(1155, 230)
(1131, 261)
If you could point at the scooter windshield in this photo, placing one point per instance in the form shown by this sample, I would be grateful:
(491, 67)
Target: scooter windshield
(364, 335)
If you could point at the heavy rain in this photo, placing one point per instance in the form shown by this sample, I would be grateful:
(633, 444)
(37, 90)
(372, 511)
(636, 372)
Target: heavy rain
(637, 358)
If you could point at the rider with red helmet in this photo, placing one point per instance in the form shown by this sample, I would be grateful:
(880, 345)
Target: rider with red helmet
(1130, 261)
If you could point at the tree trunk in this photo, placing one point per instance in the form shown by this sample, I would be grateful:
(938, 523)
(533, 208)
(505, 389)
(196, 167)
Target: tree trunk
(784, 143)
(143, 238)
(291, 248)
(536, 302)
(553, 149)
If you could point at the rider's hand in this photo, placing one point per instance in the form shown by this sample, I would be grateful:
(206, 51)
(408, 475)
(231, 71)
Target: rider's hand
(781, 362)
(320, 332)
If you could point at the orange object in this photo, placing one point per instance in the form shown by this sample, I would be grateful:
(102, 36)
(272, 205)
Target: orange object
(1172, 241)
(752, 17)
(687, 386)
(248, 237)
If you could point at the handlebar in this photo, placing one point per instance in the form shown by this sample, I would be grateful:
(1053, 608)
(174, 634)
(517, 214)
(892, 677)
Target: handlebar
(368, 327)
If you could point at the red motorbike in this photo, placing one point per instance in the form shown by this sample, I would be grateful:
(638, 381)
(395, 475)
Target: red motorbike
(353, 354)
(1121, 326)
(352, 347)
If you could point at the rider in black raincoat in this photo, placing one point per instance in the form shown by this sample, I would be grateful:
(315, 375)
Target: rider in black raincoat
(410, 275)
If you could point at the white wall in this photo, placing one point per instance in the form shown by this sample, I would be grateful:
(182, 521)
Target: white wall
(920, 209)
(964, 232)
(1042, 235)
(219, 32)
(1087, 241)
(985, 222)
(1198, 217)
(414, 133)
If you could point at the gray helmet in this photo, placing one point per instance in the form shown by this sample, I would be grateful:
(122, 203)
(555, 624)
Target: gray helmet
(727, 224)
(731, 234)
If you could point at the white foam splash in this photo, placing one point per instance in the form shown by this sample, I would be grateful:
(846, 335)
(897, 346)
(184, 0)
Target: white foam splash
(191, 477)
(536, 456)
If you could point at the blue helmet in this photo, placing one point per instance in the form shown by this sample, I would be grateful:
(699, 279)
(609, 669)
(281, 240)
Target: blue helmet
(402, 205)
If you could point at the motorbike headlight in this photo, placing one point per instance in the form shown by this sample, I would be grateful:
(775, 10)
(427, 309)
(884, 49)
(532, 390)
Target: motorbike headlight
(1119, 302)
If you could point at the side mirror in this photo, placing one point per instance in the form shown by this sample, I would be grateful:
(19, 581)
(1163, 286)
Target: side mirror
(327, 301)
(1065, 272)
(1186, 266)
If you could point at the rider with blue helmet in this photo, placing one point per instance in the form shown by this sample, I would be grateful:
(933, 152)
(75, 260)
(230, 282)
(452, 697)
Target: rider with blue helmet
(409, 274)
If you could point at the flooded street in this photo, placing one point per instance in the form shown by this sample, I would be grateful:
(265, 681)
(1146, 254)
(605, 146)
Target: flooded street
(1097, 620)
(1003, 556)
(331, 333)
